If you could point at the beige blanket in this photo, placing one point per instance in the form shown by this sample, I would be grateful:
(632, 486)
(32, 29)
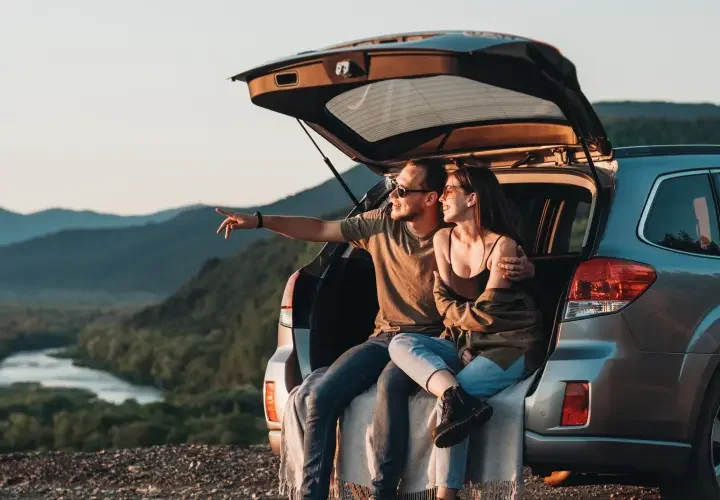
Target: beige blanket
(495, 463)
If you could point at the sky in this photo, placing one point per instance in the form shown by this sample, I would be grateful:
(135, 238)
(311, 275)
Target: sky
(127, 107)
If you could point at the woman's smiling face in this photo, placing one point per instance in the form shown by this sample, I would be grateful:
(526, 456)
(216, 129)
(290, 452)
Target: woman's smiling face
(457, 204)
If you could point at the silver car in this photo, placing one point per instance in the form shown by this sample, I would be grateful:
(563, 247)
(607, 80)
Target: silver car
(625, 242)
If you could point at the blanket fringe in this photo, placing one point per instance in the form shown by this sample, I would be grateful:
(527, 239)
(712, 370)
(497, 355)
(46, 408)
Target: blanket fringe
(495, 490)
(287, 487)
(343, 490)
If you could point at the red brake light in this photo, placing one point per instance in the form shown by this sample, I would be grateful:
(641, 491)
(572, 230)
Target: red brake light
(576, 404)
(287, 300)
(604, 285)
(270, 410)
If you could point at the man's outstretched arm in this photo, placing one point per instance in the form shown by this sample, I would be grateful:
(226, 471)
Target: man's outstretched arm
(299, 228)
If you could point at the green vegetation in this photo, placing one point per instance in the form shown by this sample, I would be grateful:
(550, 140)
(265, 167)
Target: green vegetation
(645, 131)
(34, 418)
(24, 327)
(217, 330)
(608, 110)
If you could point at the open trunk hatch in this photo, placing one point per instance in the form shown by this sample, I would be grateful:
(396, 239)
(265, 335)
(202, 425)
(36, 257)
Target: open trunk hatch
(386, 100)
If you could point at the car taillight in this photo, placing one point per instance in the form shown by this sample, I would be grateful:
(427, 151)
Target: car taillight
(270, 410)
(286, 303)
(576, 404)
(604, 285)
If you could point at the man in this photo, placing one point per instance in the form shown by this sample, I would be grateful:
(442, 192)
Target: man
(400, 240)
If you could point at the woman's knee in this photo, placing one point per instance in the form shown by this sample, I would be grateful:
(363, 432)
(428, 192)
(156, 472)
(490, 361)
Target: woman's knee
(401, 344)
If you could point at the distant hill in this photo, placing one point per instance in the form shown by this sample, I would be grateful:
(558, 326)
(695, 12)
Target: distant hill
(649, 131)
(15, 227)
(612, 110)
(217, 330)
(156, 257)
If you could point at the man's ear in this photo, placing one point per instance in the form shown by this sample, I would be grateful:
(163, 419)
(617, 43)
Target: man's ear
(432, 198)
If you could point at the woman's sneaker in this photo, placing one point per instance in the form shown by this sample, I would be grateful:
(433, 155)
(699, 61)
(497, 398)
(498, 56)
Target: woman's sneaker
(460, 412)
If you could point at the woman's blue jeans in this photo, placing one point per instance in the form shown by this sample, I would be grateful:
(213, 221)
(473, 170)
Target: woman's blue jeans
(420, 356)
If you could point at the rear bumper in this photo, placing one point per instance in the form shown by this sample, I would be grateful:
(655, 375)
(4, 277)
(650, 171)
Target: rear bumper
(598, 454)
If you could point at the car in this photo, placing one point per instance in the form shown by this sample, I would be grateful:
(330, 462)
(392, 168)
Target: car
(624, 242)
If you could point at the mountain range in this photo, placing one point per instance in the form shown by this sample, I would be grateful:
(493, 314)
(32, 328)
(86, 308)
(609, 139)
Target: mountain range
(156, 257)
(157, 253)
(15, 227)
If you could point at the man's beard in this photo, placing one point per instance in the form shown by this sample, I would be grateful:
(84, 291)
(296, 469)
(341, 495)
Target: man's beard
(410, 215)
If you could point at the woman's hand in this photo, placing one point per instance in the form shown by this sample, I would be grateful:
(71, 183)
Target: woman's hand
(234, 221)
(467, 357)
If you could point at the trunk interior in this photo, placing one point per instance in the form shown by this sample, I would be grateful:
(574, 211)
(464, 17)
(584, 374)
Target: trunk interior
(553, 220)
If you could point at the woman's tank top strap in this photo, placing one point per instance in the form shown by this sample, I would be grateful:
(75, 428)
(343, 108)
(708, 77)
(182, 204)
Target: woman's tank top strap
(492, 248)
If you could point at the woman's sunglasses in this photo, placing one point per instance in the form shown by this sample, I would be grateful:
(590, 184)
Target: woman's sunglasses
(402, 191)
(450, 189)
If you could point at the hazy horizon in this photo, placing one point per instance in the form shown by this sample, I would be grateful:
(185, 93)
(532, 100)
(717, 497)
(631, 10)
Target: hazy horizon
(127, 108)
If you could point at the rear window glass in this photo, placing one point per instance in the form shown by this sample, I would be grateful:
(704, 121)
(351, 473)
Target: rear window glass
(552, 219)
(683, 216)
(384, 109)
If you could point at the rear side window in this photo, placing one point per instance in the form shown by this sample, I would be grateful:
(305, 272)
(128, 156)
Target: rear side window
(683, 216)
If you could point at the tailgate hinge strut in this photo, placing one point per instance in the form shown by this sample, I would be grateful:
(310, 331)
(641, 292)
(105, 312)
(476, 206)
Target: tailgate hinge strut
(331, 166)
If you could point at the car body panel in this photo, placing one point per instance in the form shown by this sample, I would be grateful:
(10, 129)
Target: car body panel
(605, 454)
(623, 381)
(661, 319)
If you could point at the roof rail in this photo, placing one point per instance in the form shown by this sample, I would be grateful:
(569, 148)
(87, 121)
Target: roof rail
(667, 150)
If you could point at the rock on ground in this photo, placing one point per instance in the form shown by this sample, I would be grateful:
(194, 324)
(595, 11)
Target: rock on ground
(194, 471)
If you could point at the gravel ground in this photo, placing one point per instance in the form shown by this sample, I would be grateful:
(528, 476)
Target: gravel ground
(195, 471)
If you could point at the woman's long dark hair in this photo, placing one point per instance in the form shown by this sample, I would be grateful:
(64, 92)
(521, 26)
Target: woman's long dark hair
(492, 211)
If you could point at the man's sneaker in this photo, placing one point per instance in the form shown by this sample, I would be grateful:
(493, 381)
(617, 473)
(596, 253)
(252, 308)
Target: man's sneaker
(460, 412)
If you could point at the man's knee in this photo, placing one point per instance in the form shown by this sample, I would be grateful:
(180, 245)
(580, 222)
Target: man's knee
(320, 398)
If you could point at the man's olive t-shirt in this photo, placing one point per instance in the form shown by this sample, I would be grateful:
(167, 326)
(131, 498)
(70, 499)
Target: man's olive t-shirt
(404, 266)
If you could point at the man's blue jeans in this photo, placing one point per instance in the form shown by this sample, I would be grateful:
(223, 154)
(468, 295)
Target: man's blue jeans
(350, 375)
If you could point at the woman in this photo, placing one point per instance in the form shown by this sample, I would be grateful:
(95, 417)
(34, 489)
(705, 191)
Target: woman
(491, 331)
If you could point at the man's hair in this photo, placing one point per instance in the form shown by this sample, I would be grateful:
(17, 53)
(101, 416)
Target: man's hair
(435, 173)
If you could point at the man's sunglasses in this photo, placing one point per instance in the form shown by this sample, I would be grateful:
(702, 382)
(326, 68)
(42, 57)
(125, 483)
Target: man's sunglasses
(402, 191)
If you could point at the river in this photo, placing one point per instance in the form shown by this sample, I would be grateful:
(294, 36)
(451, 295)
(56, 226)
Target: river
(40, 366)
